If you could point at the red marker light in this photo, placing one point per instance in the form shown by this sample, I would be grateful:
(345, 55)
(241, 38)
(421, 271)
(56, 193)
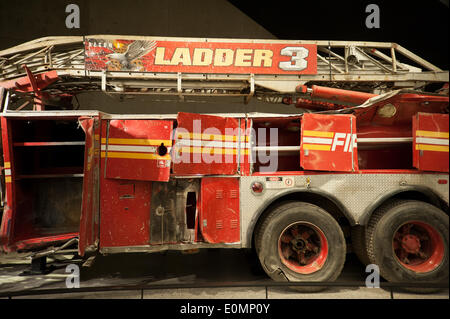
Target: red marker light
(257, 187)
(442, 181)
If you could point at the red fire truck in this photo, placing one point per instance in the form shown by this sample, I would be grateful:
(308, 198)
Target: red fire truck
(362, 167)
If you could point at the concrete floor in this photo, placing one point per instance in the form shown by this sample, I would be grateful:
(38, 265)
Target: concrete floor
(224, 265)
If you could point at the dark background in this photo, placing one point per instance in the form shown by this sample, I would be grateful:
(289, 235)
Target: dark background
(419, 26)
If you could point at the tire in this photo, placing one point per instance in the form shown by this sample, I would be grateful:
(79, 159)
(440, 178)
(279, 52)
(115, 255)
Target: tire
(299, 241)
(408, 240)
(358, 234)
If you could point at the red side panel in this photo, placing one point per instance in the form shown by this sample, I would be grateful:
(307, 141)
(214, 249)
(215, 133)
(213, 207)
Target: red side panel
(90, 202)
(219, 214)
(7, 221)
(430, 142)
(125, 213)
(137, 149)
(207, 145)
(246, 126)
(328, 143)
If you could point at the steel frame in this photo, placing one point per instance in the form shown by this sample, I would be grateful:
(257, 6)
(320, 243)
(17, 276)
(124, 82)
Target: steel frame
(346, 64)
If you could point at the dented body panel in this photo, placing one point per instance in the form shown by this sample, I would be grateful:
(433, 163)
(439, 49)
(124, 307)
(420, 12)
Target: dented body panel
(121, 189)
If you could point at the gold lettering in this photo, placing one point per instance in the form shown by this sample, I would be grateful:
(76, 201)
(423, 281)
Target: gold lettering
(181, 55)
(243, 57)
(223, 57)
(202, 57)
(159, 56)
(264, 56)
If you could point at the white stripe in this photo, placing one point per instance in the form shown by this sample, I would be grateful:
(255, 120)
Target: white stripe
(218, 144)
(434, 141)
(384, 139)
(128, 148)
(7, 172)
(317, 140)
(276, 148)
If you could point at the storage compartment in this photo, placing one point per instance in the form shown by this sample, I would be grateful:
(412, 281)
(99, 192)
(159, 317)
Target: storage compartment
(385, 147)
(276, 144)
(47, 175)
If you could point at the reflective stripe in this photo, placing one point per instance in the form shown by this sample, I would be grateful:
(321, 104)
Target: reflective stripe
(135, 155)
(129, 148)
(136, 141)
(436, 148)
(211, 137)
(218, 144)
(210, 150)
(7, 171)
(317, 140)
(8, 179)
(434, 141)
(318, 133)
(317, 147)
(432, 134)
(7, 165)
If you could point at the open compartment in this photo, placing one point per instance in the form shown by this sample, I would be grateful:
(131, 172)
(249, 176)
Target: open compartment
(47, 158)
(385, 147)
(276, 144)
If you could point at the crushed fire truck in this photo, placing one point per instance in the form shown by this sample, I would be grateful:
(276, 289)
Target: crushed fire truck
(362, 167)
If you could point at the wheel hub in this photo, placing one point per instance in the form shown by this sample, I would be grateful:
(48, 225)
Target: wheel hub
(298, 244)
(411, 244)
(303, 247)
(418, 246)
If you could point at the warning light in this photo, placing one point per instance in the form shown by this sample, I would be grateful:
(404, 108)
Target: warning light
(257, 187)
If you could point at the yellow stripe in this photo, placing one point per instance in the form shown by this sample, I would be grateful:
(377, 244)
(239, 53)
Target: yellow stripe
(316, 147)
(136, 141)
(7, 165)
(426, 147)
(96, 137)
(8, 179)
(212, 137)
(212, 150)
(432, 134)
(318, 133)
(135, 155)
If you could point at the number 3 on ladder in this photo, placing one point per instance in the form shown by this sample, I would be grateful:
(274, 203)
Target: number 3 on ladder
(298, 59)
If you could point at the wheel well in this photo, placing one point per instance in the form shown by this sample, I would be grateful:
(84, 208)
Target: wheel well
(313, 198)
(427, 197)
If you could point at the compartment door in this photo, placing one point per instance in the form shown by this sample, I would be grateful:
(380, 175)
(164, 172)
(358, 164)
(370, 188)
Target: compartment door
(219, 213)
(137, 149)
(430, 142)
(328, 143)
(89, 220)
(208, 145)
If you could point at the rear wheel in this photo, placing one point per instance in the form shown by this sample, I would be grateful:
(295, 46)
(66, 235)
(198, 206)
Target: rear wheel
(300, 242)
(408, 240)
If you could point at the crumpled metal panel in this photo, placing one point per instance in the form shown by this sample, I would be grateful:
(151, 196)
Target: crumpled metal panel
(328, 142)
(137, 149)
(430, 142)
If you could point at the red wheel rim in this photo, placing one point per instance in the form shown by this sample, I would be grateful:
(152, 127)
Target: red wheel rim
(418, 247)
(303, 248)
